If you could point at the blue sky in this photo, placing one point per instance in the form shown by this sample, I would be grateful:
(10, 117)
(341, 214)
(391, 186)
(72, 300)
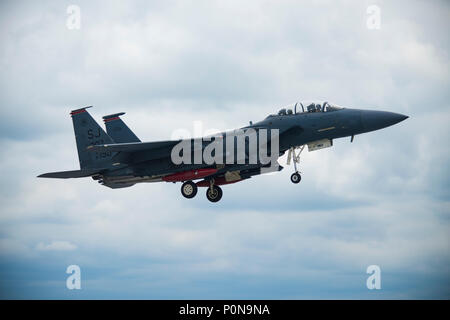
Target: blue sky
(383, 200)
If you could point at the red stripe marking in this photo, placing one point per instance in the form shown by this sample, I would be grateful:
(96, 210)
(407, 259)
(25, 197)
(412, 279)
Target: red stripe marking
(218, 182)
(189, 175)
(77, 112)
(111, 119)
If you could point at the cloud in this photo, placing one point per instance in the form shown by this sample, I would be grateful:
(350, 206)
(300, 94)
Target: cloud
(382, 199)
(56, 246)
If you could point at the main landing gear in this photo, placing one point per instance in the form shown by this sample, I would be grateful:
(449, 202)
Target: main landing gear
(295, 177)
(189, 189)
(213, 193)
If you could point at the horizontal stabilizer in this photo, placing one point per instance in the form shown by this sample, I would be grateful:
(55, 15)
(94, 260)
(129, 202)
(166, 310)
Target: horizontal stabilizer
(71, 174)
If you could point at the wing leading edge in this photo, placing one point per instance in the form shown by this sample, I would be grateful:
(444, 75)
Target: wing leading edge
(132, 147)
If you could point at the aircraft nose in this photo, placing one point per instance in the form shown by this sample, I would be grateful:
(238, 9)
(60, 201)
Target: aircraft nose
(374, 120)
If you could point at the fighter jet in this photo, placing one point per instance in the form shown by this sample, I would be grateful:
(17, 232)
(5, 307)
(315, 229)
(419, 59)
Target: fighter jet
(117, 158)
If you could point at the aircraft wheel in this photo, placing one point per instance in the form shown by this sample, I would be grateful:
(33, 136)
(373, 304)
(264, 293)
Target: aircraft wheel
(189, 189)
(215, 194)
(296, 177)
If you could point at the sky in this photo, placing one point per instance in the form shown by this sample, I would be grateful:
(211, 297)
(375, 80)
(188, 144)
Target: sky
(382, 200)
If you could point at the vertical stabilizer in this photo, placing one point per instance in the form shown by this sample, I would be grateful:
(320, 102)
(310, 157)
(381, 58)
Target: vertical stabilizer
(87, 133)
(118, 130)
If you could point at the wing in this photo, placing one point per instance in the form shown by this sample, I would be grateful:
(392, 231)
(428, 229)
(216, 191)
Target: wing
(133, 146)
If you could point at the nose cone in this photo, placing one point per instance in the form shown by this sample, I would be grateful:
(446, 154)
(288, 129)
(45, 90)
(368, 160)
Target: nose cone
(374, 120)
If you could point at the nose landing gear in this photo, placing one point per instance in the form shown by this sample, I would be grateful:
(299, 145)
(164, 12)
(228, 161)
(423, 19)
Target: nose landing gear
(295, 177)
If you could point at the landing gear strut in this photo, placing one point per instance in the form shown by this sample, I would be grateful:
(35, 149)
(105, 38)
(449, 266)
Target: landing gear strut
(189, 189)
(295, 177)
(214, 193)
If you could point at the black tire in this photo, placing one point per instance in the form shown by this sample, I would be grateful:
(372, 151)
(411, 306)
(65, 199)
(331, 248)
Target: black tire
(189, 189)
(296, 177)
(215, 194)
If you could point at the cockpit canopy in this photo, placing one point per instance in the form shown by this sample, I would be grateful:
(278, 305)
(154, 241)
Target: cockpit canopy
(307, 107)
